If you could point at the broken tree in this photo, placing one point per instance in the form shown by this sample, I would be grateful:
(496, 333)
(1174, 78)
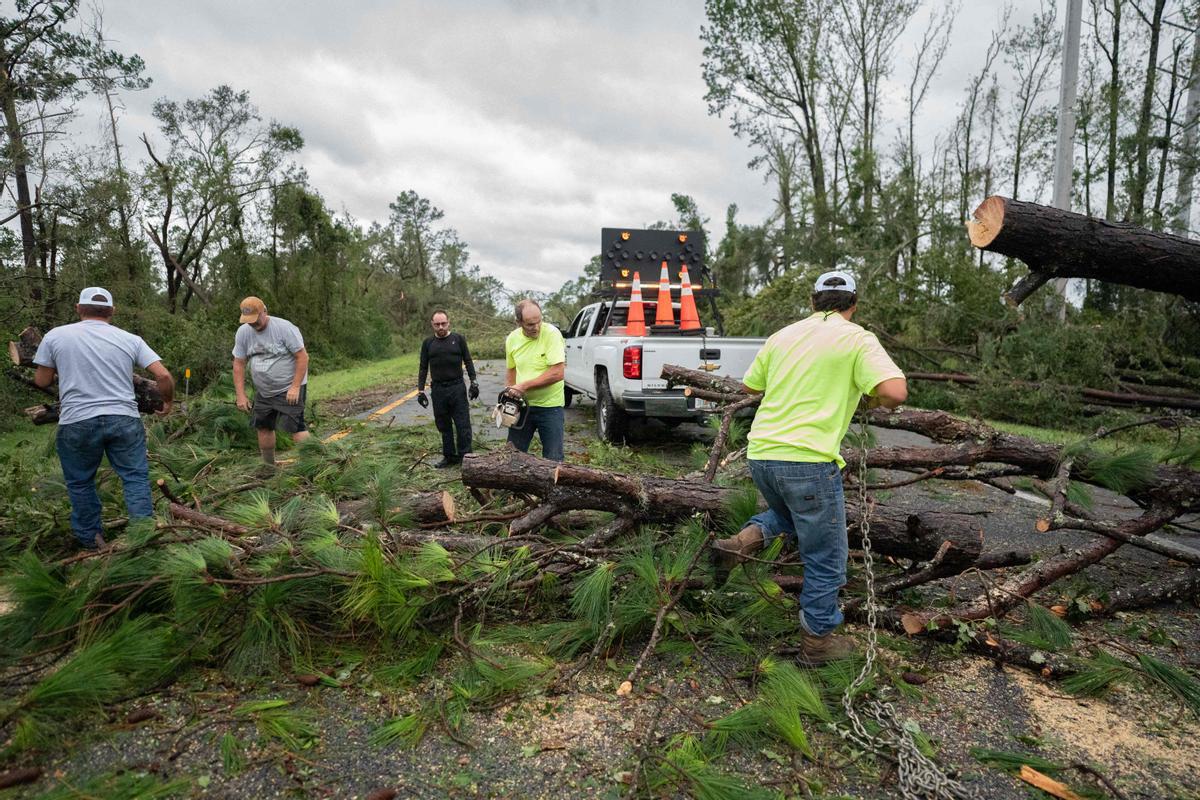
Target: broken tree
(1061, 244)
(963, 449)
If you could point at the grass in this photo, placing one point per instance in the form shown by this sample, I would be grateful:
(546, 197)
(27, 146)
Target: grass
(401, 370)
(24, 435)
(1148, 435)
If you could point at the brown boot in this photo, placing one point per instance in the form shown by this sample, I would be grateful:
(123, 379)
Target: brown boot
(817, 650)
(728, 553)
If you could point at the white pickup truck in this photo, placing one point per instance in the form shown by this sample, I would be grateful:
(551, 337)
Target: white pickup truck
(621, 372)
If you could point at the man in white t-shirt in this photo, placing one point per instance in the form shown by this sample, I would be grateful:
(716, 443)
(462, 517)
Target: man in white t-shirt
(274, 350)
(93, 361)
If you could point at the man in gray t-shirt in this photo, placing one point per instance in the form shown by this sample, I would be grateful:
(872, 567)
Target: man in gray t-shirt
(274, 350)
(93, 361)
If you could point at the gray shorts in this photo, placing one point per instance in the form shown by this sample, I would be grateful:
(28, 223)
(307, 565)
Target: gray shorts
(275, 413)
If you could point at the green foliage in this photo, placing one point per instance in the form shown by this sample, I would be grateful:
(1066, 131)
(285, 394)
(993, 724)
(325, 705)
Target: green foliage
(1179, 682)
(1043, 629)
(275, 720)
(1122, 472)
(125, 785)
(1012, 762)
(408, 729)
(1096, 676)
(685, 767)
(592, 597)
(233, 754)
(136, 654)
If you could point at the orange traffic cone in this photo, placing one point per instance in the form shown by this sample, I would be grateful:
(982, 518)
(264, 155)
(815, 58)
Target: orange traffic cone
(689, 320)
(635, 322)
(665, 314)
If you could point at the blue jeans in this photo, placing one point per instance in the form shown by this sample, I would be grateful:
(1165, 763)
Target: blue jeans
(80, 448)
(548, 423)
(807, 498)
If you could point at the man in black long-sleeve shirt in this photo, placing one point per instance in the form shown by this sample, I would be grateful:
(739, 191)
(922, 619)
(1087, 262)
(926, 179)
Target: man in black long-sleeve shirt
(443, 356)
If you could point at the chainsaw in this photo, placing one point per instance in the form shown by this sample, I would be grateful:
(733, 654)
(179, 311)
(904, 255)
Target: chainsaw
(511, 411)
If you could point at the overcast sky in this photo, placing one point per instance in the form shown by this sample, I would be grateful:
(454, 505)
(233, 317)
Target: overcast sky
(531, 124)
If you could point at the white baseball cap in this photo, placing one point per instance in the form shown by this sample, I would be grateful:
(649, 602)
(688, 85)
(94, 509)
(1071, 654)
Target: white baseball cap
(95, 296)
(845, 285)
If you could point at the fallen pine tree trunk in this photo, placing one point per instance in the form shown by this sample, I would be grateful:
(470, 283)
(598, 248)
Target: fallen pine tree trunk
(1167, 492)
(919, 536)
(1061, 244)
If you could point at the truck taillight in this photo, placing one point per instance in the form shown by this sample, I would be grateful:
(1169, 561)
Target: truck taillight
(631, 364)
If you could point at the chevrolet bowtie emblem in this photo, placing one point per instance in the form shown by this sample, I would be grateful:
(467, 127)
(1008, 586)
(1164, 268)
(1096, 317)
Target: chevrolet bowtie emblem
(707, 367)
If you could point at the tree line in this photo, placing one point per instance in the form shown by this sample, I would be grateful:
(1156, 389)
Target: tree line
(830, 94)
(212, 207)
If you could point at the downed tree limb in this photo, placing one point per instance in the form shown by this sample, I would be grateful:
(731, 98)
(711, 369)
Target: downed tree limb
(895, 532)
(423, 508)
(1061, 244)
(1014, 591)
(1184, 588)
(202, 520)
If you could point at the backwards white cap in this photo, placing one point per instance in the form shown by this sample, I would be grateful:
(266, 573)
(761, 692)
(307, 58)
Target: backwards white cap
(88, 297)
(846, 284)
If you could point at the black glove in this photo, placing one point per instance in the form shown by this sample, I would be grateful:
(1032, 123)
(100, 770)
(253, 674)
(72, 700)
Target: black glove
(423, 399)
(473, 392)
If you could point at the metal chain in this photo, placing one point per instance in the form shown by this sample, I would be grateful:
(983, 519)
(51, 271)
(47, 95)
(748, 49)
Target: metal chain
(919, 776)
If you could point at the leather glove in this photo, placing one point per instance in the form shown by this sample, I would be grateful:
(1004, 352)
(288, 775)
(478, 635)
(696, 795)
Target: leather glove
(473, 392)
(423, 399)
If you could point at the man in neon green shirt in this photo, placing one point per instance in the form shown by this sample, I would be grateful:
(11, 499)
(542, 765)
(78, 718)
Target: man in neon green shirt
(535, 357)
(812, 375)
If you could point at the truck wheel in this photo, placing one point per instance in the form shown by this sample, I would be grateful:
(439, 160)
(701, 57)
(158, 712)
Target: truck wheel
(568, 396)
(611, 420)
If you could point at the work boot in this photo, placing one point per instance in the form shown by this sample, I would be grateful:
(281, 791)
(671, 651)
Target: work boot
(817, 650)
(728, 553)
(446, 463)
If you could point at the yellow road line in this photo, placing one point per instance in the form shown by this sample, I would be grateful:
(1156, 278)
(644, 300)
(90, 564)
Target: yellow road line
(381, 411)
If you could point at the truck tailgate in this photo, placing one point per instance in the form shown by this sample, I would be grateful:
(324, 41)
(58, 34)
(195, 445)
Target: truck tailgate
(719, 355)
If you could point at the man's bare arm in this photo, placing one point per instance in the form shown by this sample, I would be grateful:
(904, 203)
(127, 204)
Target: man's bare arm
(293, 393)
(553, 375)
(166, 386)
(239, 384)
(44, 376)
(890, 393)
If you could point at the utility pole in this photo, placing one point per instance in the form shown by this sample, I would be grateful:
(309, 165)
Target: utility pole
(1182, 223)
(1064, 150)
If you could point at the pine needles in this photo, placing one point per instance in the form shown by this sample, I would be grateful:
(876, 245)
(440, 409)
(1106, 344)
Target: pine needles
(1097, 676)
(1180, 683)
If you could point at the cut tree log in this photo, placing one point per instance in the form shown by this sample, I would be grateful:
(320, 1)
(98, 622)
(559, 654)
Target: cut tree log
(1061, 244)
(25, 347)
(423, 508)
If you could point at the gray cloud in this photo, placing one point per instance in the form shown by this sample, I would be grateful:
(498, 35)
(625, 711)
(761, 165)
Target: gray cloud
(531, 124)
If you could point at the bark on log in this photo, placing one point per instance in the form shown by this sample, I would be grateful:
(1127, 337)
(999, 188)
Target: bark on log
(1184, 588)
(203, 520)
(425, 508)
(894, 532)
(25, 347)
(43, 414)
(1061, 244)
